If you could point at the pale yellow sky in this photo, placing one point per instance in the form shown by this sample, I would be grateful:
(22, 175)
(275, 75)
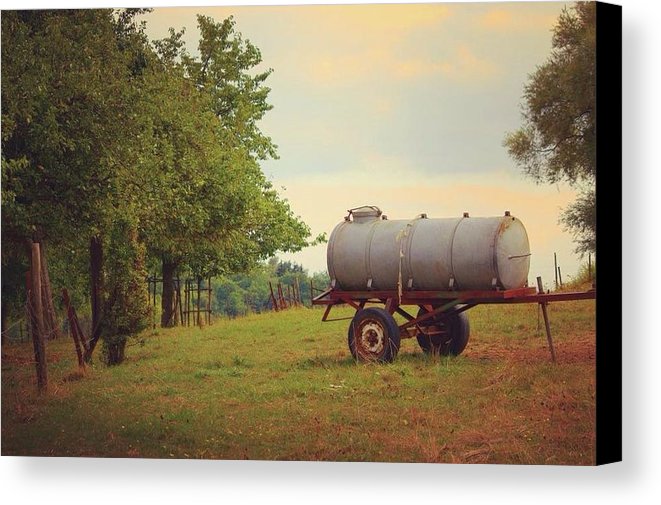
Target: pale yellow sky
(401, 106)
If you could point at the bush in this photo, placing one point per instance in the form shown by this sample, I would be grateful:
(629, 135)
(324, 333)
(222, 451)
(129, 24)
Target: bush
(584, 278)
(126, 305)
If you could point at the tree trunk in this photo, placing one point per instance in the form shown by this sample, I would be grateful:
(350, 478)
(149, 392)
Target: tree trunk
(50, 315)
(96, 291)
(4, 322)
(176, 306)
(167, 299)
(116, 352)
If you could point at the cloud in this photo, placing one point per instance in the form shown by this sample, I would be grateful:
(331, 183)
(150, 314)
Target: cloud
(516, 18)
(344, 70)
(358, 43)
(466, 66)
(389, 22)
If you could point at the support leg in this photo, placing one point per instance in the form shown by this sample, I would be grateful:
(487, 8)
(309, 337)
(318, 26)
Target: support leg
(549, 339)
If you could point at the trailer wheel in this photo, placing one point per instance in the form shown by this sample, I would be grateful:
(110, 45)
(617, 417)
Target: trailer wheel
(374, 336)
(450, 335)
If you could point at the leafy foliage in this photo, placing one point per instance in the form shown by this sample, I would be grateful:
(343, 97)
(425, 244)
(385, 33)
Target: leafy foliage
(68, 120)
(557, 141)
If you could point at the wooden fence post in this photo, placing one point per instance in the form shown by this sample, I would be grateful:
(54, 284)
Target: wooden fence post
(51, 324)
(199, 287)
(273, 300)
(38, 318)
(73, 328)
(156, 315)
(181, 307)
(281, 297)
(209, 301)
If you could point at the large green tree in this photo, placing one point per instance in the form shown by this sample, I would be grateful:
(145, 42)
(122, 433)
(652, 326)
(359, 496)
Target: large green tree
(218, 213)
(557, 141)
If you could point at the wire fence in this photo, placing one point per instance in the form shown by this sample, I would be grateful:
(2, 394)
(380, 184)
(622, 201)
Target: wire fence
(19, 331)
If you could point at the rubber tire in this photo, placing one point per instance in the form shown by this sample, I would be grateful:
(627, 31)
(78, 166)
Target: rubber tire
(458, 329)
(391, 335)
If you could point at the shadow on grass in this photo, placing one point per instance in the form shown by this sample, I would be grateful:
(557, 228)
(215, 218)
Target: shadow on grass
(417, 358)
(324, 362)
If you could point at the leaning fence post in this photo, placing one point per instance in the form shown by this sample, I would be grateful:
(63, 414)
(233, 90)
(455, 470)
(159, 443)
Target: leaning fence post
(273, 300)
(73, 329)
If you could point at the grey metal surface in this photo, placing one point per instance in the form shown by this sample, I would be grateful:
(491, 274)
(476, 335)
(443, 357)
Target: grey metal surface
(468, 253)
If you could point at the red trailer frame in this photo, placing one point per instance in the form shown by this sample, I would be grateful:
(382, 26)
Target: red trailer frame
(440, 325)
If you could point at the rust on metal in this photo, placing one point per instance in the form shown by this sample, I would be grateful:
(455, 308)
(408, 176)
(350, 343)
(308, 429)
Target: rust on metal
(440, 305)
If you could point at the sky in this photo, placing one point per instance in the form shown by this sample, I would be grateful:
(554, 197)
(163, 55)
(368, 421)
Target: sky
(402, 106)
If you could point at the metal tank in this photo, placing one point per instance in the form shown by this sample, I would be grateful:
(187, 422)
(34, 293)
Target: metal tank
(368, 251)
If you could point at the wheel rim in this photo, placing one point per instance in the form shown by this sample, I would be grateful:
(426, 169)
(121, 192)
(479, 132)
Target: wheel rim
(450, 338)
(371, 338)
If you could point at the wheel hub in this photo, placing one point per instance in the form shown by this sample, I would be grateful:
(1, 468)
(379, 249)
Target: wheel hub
(372, 337)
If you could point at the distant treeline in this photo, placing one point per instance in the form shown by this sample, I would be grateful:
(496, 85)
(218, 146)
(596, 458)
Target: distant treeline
(245, 293)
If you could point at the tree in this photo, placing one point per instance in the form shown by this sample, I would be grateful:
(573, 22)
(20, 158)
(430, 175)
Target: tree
(286, 267)
(557, 141)
(67, 117)
(219, 214)
(229, 298)
(239, 97)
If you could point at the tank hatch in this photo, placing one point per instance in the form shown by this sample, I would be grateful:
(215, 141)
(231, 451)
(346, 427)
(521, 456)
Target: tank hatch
(365, 213)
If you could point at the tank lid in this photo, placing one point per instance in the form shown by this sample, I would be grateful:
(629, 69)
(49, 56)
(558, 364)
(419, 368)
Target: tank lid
(365, 212)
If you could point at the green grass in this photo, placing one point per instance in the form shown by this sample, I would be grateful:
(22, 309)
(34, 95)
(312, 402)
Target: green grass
(283, 386)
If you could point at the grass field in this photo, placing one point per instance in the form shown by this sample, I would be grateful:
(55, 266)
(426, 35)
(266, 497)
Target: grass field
(283, 386)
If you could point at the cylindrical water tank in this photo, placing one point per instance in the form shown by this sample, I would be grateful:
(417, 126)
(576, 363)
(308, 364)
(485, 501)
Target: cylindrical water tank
(367, 251)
